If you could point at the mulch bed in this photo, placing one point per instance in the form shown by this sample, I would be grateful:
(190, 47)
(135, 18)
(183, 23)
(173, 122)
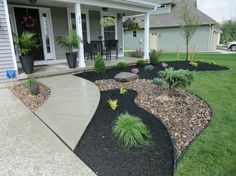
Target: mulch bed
(30, 101)
(105, 156)
(203, 66)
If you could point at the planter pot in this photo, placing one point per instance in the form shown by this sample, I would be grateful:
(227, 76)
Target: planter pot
(72, 59)
(27, 63)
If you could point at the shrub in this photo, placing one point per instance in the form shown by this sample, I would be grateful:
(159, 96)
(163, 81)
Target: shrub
(176, 78)
(32, 86)
(212, 62)
(158, 81)
(164, 65)
(193, 64)
(123, 91)
(131, 131)
(99, 66)
(137, 54)
(122, 66)
(155, 57)
(149, 68)
(140, 63)
(113, 104)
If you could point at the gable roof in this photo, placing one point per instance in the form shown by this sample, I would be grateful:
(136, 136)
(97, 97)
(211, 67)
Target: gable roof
(173, 18)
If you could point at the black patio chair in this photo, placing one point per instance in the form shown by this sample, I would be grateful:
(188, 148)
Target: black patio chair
(87, 50)
(111, 45)
(96, 47)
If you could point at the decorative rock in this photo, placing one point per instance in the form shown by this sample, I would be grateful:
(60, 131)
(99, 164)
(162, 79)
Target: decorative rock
(126, 77)
(135, 70)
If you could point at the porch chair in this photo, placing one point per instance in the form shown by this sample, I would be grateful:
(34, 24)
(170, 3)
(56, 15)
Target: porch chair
(111, 45)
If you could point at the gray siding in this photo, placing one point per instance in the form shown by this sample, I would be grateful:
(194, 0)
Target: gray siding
(95, 28)
(6, 58)
(169, 39)
(60, 28)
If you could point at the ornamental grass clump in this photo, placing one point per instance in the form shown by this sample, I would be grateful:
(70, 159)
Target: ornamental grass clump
(32, 86)
(193, 64)
(149, 68)
(158, 81)
(176, 78)
(131, 132)
(99, 66)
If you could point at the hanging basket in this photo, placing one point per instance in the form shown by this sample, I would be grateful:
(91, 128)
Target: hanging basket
(107, 21)
(28, 22)
(131, 25)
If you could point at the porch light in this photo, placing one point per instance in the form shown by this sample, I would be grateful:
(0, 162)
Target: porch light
(32, 1)
(105, 9)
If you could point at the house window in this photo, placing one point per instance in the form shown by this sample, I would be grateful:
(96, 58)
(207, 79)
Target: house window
(134, 34)
(84, 25)
(110, 32)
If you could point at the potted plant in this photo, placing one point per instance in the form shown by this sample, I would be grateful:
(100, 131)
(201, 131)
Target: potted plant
(107, 21)
(70, 43)
(25, 44)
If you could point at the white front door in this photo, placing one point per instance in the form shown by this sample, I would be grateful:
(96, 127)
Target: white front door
(153, 40)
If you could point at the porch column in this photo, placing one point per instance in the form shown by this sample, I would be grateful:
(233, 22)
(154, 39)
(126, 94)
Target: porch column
(80, 33)
(146, 36)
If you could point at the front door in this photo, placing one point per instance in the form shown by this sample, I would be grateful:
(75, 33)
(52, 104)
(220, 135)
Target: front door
(153, 40)
(28, 19)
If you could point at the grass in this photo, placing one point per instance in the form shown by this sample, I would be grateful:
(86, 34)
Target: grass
(214, 152)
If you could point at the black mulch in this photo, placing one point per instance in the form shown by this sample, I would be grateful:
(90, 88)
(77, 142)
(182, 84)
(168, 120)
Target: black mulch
(203, 66)
(104, 155)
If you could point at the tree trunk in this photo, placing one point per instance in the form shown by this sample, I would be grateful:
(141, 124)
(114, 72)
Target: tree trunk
(187, 50)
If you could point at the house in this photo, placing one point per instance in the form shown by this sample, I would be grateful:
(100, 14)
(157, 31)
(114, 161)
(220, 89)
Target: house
(54, 18)
(165, 31)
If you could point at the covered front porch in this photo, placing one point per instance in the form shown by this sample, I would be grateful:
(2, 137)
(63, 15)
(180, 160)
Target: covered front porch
(56, 17)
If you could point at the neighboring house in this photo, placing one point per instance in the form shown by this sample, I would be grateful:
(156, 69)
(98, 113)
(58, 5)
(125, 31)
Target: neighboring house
(55, 18)
(165, 29)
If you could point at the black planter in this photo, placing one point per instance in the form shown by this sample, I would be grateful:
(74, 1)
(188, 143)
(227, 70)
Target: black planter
(72, 59)
(27, 63)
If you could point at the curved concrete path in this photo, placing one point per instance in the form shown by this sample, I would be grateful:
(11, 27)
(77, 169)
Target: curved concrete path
(70, 107)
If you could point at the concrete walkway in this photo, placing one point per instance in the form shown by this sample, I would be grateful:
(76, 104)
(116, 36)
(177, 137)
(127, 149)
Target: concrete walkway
(70, 107)
(28, 147)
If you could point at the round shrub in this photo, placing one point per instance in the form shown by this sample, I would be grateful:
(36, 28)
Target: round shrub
(212, 62)
(131, 131)
(154, 57)
(122, 66)
(149, 68)
(140, 63)
(193, 64)
(99, 66)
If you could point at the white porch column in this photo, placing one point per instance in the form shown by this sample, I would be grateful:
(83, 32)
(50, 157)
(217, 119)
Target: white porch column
(80, 33)
(146, 36)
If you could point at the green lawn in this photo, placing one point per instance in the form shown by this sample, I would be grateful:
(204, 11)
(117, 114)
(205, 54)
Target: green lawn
(214, 152)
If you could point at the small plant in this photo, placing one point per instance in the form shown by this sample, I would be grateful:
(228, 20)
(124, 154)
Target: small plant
(164, 65)
(176, 78)
(137, 54)
(135, 70)
(155, 57)
(149, 68)
(107, 21)
(158, 81)
(212, 62)
(131, 131)
(123, 91)
(32, 86)
(140, 63)
(99, 66)
(193, 64)
(113, 104)
(122, 66)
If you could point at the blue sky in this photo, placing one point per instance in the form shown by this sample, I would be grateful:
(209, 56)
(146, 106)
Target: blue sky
(220, 10)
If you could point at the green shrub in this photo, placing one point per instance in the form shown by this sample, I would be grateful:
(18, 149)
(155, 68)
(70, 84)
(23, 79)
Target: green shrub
(158, 81)
(99, 66)
(212, 62)
(122, 66)
(131, 131)
(155, 57)
(140, 63)
(193, 64)
(32, 86)
(176, 78)
(149, 68)
(136, 54)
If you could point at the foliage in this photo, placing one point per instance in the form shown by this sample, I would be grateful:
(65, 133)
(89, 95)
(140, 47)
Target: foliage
(99, 66)
(131, 131)
(140, 63)
(32, 86)
(212, 62)
(158, 81)
(131, 25)
(155, 56)
(193, 64)
(189, 27)
(123, 91)
(176, 78)
(26, 42)
(229, 31)
(107, 21)
(113, 104)
(136, 54)
(149, 68)
(70, 42)
(122, 66)
(164, 65)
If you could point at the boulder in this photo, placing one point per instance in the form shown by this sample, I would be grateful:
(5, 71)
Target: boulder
(126, 77)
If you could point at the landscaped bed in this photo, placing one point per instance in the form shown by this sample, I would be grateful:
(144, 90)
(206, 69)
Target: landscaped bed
(104, 154)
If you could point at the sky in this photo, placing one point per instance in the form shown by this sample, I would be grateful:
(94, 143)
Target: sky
(219, 10)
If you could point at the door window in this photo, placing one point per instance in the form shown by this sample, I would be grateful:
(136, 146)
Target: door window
(110, 32)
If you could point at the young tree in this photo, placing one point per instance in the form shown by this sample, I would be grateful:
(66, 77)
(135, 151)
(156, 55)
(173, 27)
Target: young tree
(189, 27)
(229, 31)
